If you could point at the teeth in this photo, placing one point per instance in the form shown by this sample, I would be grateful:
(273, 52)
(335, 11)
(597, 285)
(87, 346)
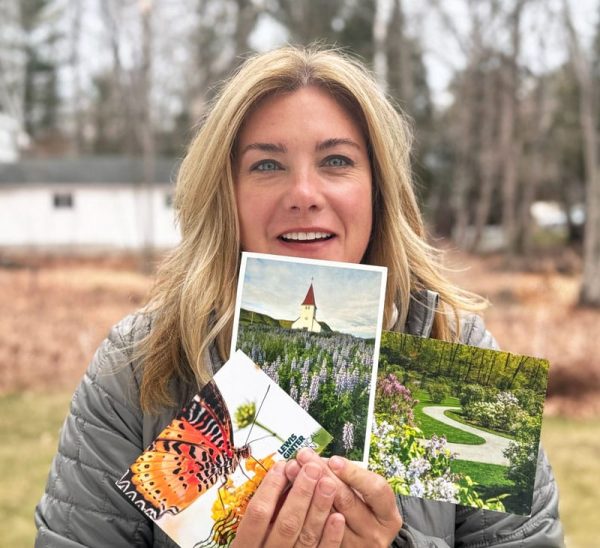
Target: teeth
(306, 236)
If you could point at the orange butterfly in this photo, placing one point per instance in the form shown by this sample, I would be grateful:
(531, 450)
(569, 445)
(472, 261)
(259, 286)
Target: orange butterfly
(187, 458)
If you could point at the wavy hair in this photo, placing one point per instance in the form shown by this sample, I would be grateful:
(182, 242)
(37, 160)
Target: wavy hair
(192, 303)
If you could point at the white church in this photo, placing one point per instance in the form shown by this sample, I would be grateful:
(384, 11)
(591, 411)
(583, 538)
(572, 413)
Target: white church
(308, 314)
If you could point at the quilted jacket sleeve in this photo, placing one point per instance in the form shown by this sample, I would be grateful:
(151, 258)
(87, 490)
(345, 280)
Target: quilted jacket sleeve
(101, 436)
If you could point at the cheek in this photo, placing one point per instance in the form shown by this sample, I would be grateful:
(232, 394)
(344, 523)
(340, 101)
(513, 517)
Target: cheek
(254, 213)
(364, 210)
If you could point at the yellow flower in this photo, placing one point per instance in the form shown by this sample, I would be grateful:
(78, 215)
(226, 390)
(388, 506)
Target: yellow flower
(231, 502)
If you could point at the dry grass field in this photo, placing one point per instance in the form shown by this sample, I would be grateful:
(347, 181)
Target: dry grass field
(54, 313)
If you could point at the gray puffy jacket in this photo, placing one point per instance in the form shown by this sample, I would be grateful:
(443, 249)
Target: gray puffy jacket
(106, 430)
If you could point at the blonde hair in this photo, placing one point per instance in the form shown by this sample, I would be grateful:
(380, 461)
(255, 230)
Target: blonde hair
(193, 301)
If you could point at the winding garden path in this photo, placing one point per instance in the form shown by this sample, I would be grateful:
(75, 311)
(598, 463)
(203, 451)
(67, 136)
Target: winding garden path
(490, 452)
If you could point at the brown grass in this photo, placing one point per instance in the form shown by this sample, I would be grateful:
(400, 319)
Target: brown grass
(54, 316)
(55, 312)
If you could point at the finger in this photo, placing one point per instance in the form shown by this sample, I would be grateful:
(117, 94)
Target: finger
(318, 512)
(373, 488)
(289, 522)
(333, 532)
(359, 518)
(255, 523)
(292, 469)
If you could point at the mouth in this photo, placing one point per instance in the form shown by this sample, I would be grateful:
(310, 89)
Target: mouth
(306, 237)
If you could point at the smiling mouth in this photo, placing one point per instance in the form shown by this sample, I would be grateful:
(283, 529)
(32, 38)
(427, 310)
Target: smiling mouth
(306, 237)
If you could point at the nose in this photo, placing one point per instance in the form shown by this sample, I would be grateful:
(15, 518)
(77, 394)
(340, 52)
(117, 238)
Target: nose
(305, 191)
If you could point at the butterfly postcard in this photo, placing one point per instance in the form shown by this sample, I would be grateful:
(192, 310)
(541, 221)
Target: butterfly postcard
(314, 327)
(196, 478)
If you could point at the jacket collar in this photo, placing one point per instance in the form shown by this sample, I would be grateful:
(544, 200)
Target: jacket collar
(421, 313)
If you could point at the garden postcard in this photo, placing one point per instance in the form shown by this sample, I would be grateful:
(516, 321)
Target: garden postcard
(314, 327)
(458, 423)
(196, 479)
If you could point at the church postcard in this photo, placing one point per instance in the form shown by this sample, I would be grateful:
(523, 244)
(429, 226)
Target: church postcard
(315, 328)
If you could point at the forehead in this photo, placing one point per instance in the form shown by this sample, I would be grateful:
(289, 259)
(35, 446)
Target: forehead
(311, 107)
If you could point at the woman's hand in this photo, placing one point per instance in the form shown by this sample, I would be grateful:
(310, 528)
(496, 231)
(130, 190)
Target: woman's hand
(305, 518)
(365, 499)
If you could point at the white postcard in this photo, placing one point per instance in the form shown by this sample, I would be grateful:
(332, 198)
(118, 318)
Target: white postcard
(315, 328)
(196, 478)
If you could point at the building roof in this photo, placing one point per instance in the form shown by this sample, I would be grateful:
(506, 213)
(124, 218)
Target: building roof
(310, 297)
(86, 170)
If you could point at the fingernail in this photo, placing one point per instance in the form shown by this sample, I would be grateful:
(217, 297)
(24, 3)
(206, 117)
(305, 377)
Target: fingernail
(327, 487)
(313, 471)
(292, 469)
(337, 463)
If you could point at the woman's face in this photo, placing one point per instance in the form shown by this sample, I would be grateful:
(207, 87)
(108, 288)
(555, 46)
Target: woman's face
(303, 179)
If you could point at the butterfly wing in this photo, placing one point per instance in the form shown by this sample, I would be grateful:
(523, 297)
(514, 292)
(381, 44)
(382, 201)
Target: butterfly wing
(188, 457)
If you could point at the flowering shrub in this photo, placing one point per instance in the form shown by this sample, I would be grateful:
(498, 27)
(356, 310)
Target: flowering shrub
(420, 468)
(531, 402)
(503, 413)
(395, 399)
(522, 454)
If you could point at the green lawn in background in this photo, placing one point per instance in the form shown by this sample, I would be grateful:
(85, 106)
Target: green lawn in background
(30, 424)
(458, 416)
(573, 448)
(430, 426)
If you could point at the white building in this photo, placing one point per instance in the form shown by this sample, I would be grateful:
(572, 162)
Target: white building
(9, 138)
(308, 314)
(86, 203)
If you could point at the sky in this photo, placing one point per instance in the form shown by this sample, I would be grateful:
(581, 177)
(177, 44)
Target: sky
(348, 297)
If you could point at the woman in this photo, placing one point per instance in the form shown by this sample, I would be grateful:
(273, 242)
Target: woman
(300, 155)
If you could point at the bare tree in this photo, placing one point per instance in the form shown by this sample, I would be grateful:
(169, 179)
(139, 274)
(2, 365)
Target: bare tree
(590, 288)
(510, 138)
(74, 62)
(12, 63)
(146, 130)
(488, 160)
(307, 21)
(473, 101)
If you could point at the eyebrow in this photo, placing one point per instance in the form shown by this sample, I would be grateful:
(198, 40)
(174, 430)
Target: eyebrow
(323, 145)
(331, 143)
(265, 147)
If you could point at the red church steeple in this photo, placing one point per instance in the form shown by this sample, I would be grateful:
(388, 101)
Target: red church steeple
(310, 297)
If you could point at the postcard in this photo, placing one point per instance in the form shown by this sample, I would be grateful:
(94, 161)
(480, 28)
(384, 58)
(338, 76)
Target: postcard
(196, 479)
(314, 327)
(458, 423)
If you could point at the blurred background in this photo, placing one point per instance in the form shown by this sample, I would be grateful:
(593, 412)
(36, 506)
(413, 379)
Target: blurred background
(99, 98)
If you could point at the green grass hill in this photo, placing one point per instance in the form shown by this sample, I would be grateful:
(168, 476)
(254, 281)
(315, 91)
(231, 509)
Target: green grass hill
(248, 316)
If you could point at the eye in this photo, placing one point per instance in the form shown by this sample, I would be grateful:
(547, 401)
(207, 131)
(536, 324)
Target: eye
(265, 165)
(337, 161)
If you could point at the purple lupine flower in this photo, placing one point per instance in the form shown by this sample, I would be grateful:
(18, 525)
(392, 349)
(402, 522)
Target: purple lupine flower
(304, 401)
(313, 391)
(304, 381)
(323, 371)
(348, 436)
